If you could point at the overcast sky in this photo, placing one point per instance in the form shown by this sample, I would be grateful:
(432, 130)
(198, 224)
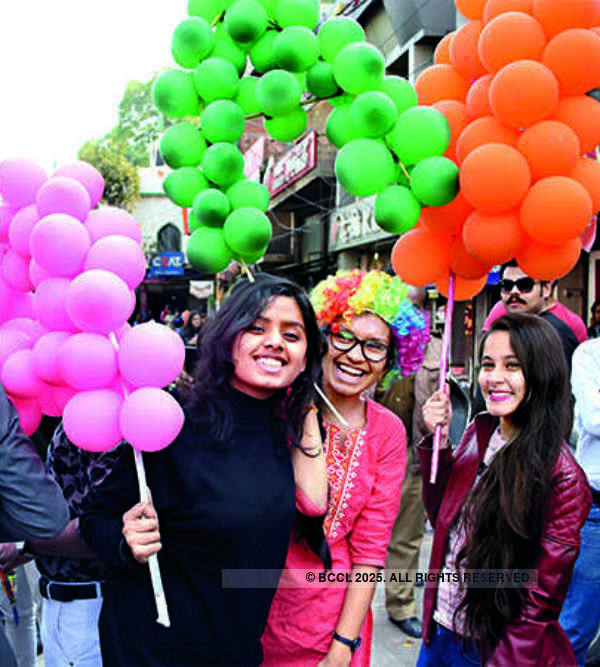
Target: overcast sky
(64, 65)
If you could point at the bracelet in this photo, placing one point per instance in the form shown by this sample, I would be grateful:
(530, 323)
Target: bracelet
(352, 644)
(314, 452)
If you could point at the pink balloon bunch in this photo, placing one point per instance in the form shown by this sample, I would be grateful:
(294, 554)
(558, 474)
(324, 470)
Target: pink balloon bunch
(68, 269)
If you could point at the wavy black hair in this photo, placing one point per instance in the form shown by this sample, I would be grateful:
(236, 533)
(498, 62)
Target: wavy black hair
(504, 516)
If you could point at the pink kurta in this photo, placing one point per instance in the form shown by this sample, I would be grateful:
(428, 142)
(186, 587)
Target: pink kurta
(365, 474)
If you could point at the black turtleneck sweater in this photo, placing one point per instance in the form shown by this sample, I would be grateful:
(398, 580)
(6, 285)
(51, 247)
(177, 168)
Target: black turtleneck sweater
(220, 507)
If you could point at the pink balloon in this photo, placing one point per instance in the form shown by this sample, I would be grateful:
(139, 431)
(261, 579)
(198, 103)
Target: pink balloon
(18, 377)
(88, 176)
(109, 220)
(87, 361)
(20, 229)
(98, 301)
(121, 386)
(28, 326)
(6, 215)
(21, 305)
(36, 273)
(63, 195)
(5, 298)
(49, 304)
(91, 420)
(30, 414)
(151, 419)
(45, 357)
(121, 255)
(151, 355)
(59, 244)
(53, 400)
(12, 340)
(20, 180)
(15, 271)
(121, 331)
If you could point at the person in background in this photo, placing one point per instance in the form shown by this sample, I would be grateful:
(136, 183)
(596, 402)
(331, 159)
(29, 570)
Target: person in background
(192, 329)
(370, 326)
(594, 328)
(580, 616)
(224, 492)
(509, 497)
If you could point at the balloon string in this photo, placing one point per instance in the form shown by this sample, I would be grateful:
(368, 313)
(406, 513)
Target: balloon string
(404, 171)
(331, 406)
(437, 438)
(155, 576)
(247, 271)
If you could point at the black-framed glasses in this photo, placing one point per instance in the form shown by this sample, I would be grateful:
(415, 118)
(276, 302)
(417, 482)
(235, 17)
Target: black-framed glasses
(344, 341)
(523, 285)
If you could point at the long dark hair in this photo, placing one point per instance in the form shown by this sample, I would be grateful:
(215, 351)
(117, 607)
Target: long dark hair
(214, 370)
(504, 516)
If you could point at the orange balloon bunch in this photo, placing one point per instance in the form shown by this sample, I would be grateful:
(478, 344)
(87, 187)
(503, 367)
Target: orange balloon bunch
(512, 83)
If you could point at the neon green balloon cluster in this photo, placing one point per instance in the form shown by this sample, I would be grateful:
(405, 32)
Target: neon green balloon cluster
(388, 145)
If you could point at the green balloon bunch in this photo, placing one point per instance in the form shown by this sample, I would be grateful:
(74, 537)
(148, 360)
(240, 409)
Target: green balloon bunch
(388, 146)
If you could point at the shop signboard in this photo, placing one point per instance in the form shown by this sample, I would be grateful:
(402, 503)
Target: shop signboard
(167, 264)
(298, 161)
(254, 158)
(354, 225)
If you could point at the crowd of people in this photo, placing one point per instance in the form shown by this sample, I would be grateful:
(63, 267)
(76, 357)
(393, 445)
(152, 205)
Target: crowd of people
(307, 447)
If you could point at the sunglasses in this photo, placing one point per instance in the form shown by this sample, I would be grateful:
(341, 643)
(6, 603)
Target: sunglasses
(344, 341)
(524, 285)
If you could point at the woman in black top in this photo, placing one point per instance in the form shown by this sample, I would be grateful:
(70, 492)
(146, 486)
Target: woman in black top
(224, 492)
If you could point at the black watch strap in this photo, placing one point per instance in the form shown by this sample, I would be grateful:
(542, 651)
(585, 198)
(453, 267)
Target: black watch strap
(352, 644)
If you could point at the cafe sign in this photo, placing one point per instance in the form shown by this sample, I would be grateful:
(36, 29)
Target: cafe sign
(354, 225)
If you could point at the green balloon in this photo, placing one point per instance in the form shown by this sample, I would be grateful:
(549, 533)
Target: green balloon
(216, 79)
(207, 251)
(340, 128)
(223, 164)
(419, 132)
(246, 95)
(403, 179)
(246, 21)
(193, 222)
(396, 209)
(182, 145)
(211, 207)
(278, 92)
(226, 49)
(359, 67)
(341, 100)
(434, 181)
(193, 40)
(400, 91)
(247, 230)
(289, 126)
(270, 7)
(336, 33)
(182, 185)
(174, 94)
(251, 257)
(223, 120)
(261, 53)
(364, 167)
(373, 114)
(320, 80)
(298, 12)
(206, 9)
(249, 193)
(296, 49)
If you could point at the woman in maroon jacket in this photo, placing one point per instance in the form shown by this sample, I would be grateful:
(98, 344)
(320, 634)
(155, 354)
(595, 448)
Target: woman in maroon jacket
(510, 497)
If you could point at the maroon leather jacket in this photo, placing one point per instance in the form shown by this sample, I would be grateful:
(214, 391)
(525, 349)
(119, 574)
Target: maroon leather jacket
(536, 637)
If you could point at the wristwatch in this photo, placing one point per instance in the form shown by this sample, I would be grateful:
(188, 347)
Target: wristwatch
(22, 549)
(352, 644)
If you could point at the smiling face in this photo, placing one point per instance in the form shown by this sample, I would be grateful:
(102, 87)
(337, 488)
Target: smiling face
(350, 373)
(271, 353)
(501, 376)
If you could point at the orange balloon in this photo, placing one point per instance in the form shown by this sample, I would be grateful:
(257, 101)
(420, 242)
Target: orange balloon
(558, 15)
(551, 148)
(494, 8)
(555, 210)
(446, 219)
(492, 239)
(456, 114)
(471, 9)
(478, 98)
(420, 257)
(574, 58)
(464, 288)
(441, 55)
(495, 178)
(441, 82)
(587, 172)
(548, 262)
(509, 37)
(463, 264)
(523, 93)
(464, 54)
(582, 114)
(482, 131)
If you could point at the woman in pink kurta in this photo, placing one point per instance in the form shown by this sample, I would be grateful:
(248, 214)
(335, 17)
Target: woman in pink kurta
(321, 623)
